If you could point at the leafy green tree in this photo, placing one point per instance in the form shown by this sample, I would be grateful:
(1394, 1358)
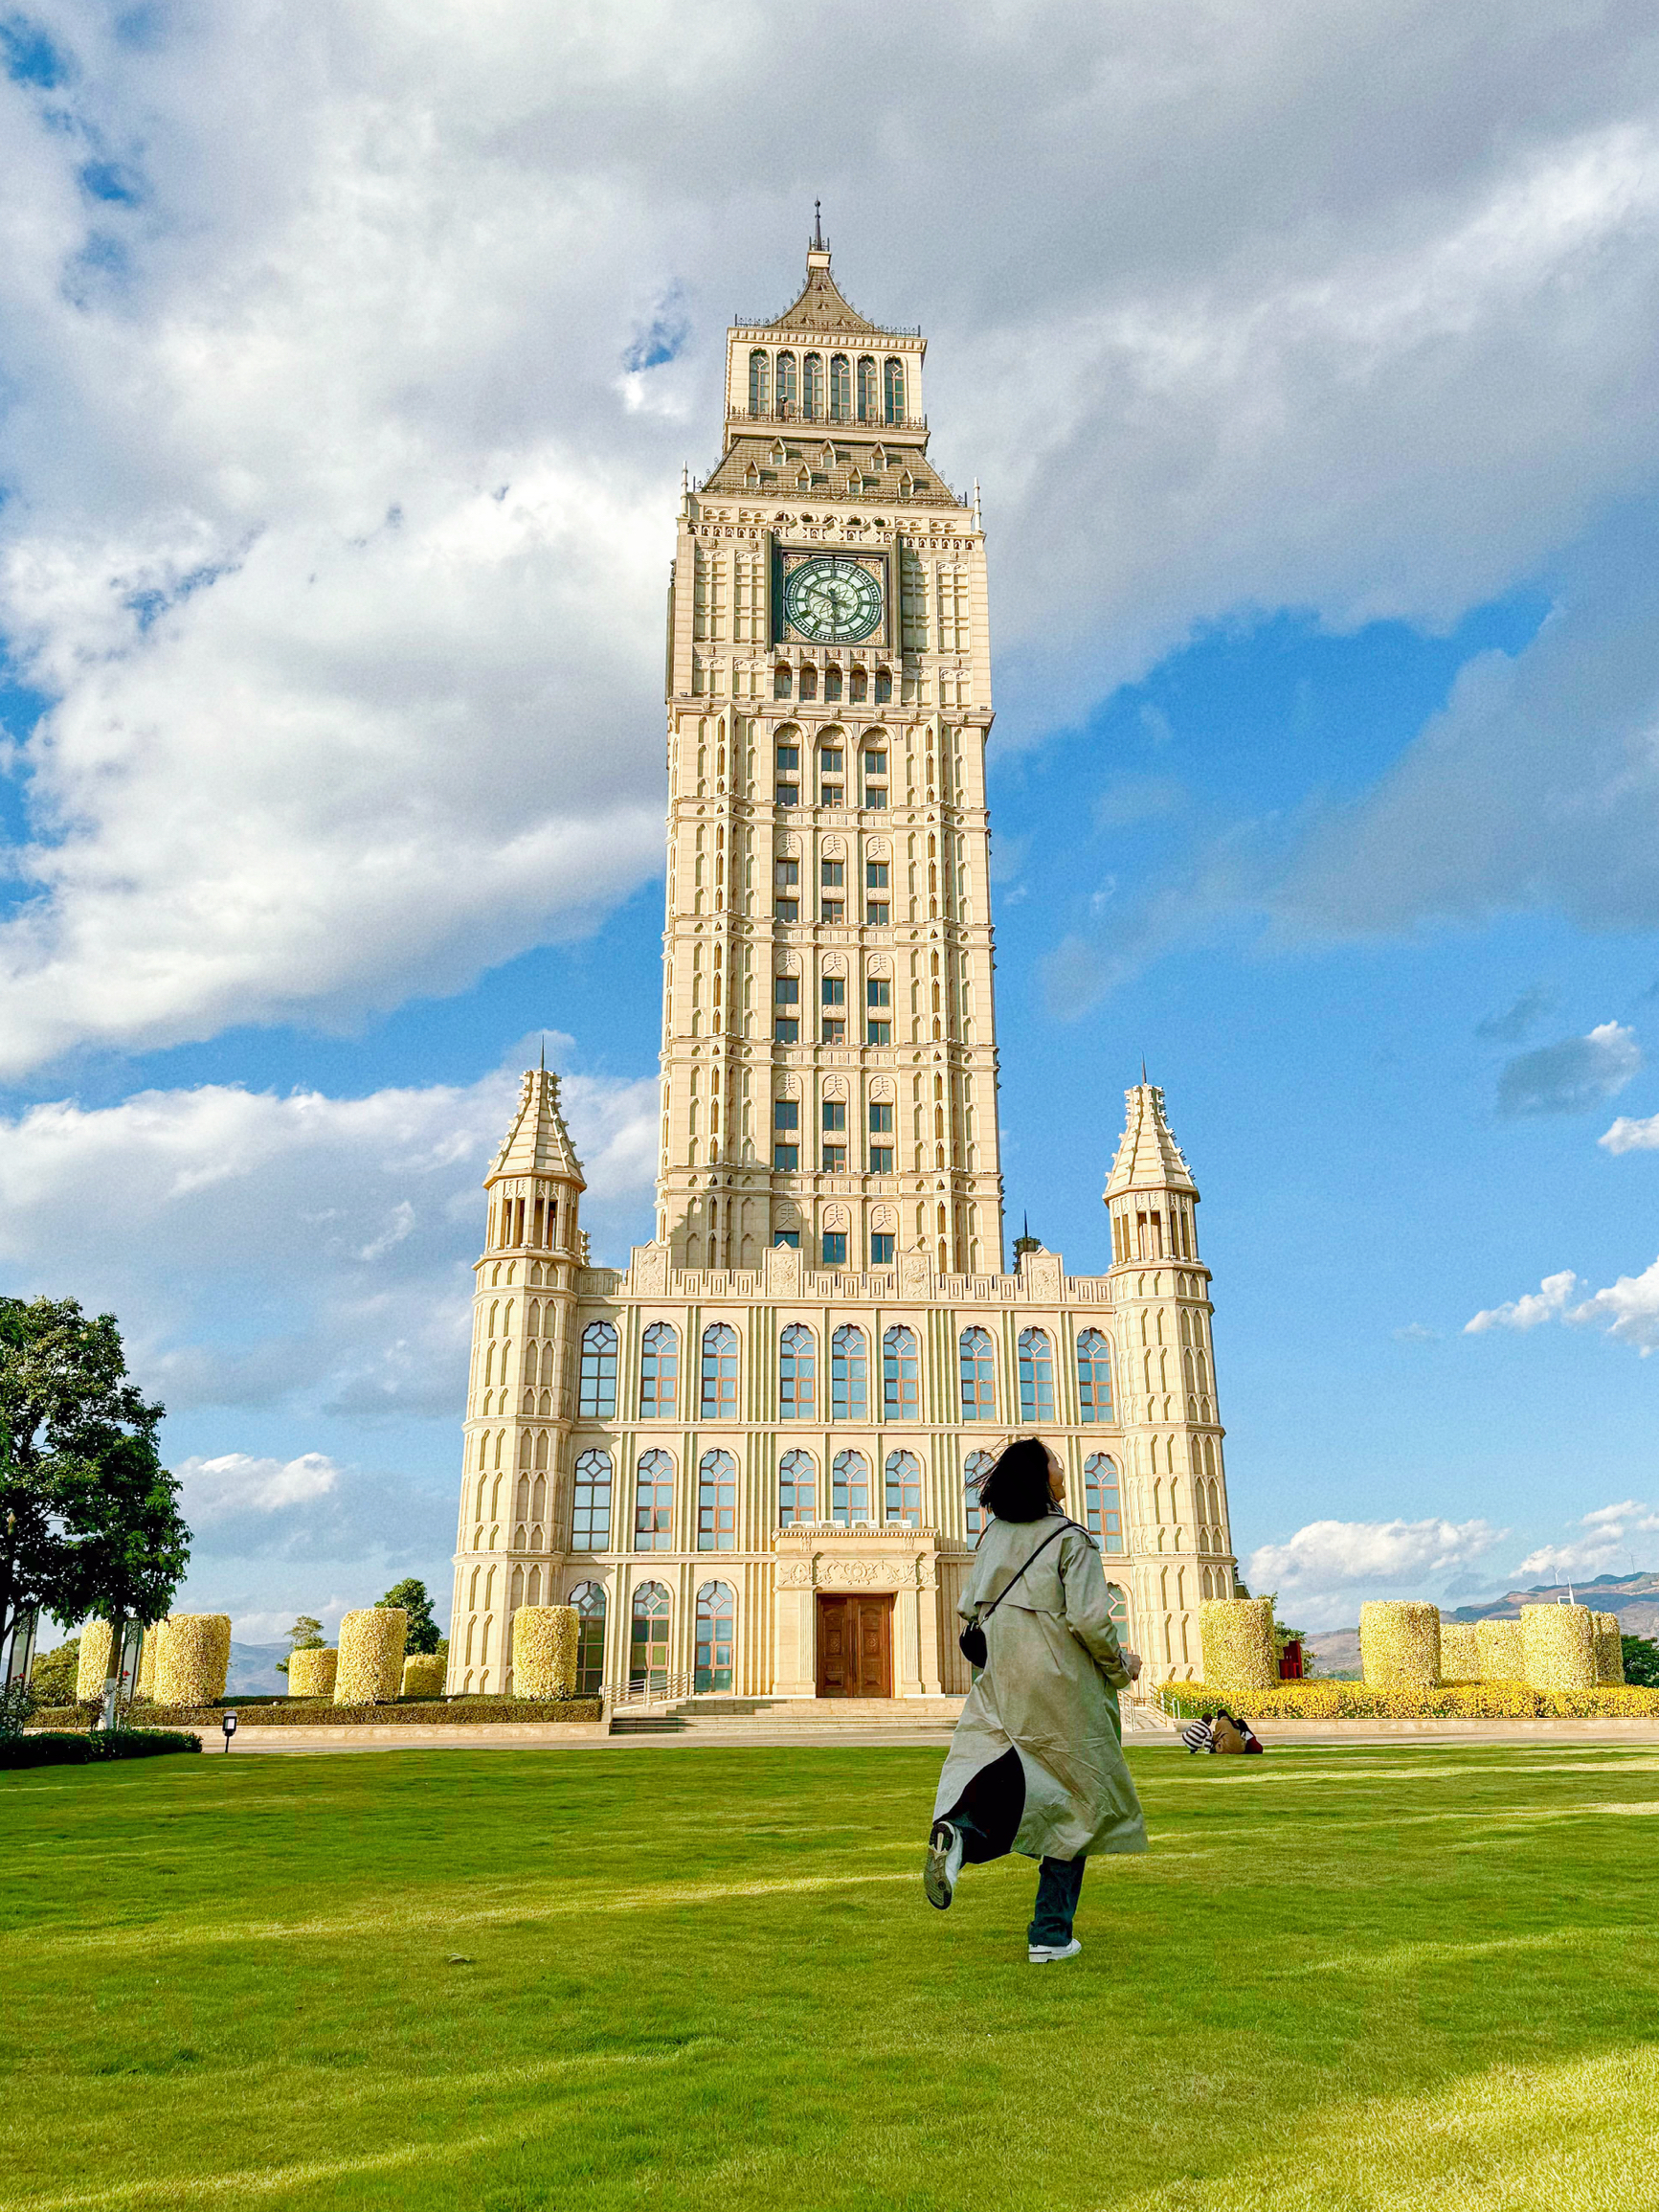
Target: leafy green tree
(89, 1518)
(306, 1635)
(412, 1596)
(52, 1676)
(1640, 1661)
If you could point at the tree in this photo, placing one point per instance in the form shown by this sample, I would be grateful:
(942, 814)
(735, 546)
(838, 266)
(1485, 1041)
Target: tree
(412, 1597)
(1640, 1661)
(89, 1518)
(54, 1675)
(306, 1635)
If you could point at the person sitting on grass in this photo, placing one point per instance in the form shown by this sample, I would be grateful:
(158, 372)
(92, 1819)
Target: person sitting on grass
(1036, 1764)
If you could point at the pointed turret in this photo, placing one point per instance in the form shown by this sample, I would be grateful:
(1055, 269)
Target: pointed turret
(537, 1141)
(1149, 1192)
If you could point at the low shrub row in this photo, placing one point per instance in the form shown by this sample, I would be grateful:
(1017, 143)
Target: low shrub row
(1333, 1700)
(44, 1748)
(404, 1712)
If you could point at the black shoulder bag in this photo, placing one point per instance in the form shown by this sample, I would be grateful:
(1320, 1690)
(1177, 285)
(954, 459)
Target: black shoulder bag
(972, 1640)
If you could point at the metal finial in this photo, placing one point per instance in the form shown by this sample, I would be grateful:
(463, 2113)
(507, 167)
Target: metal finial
(818, 226)
(544, 1051)
(1143, 1070)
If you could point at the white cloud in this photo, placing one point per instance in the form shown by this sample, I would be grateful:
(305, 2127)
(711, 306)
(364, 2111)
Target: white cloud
(218, 1490)
(1613, 1535)
(1326, 1569)
(1628, 1135)
(1548, 1302)
(340, 492)
(1571, 1076)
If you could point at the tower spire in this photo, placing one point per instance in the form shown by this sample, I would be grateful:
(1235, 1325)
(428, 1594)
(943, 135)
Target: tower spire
(817, 244)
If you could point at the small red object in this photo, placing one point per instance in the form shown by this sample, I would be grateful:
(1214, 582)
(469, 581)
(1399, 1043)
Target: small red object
(1290, 1663)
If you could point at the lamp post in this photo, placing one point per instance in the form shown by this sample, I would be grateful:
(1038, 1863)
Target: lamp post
(229, 1725)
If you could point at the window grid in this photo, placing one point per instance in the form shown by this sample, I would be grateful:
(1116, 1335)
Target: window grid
(590, 1509)
(717, 1502)
(979, 1465)
(596, 1388)
(796, 1374)
(658, 1373)
(796, 1489)
(1036, 1376)
(850, 1488)
(1103, 1513)
(977, 1366)
(904, 1489)
(589, 1600)
(653, 1503)
(1094, 1377)
(900, 1371)
(849, 1375)
(719, 1373)
(716, 1612)
(649, 1638)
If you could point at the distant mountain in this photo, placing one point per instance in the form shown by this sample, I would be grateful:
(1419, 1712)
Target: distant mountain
(254, 1670)
(1633, 1597)
(1335, 1654)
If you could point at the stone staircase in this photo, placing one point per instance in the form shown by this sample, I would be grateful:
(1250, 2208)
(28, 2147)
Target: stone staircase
(736, 1720)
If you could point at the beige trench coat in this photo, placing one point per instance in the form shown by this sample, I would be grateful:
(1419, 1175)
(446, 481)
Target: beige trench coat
(1049, 1691)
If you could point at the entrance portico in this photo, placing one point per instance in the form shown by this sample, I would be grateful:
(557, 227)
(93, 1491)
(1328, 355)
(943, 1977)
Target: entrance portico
(899, 1565)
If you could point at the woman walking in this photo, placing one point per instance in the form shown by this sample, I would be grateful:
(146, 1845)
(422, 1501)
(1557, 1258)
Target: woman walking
(1036, 1764)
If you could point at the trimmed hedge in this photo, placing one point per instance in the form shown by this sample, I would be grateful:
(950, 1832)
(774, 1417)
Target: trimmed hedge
(311, 1673)
(43, 1747)
(1399, 1644)
(1332, 1701)
(1559, 1643)
(370, 1665)
(403, 1713)
(192, 1657)
(423, 1672)
(544, 1651)
(92, 1669)
(1237, 1633)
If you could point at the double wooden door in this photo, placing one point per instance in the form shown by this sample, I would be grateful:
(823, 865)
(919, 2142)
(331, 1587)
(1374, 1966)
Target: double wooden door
(855, 1646)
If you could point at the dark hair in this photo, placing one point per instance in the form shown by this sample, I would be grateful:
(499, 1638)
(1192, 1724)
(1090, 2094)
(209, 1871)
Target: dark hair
(1017, 1488)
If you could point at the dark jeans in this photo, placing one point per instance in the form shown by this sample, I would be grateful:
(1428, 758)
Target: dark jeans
(1058, 1880)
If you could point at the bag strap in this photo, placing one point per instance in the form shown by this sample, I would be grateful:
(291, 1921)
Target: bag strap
(1031, 1562)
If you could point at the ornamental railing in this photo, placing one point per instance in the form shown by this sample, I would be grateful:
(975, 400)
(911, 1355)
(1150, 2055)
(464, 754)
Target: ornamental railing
(654, 1688)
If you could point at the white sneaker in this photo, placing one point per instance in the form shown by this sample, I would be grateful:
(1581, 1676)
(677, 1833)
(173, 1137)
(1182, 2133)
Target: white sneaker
(1045, 1953)
(942, 1866)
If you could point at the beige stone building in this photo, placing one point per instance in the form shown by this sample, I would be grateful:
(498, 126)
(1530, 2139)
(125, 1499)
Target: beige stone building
(749, 1456)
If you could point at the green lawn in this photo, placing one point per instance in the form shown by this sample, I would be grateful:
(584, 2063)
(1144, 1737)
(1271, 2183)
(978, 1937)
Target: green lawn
(1341, 1978)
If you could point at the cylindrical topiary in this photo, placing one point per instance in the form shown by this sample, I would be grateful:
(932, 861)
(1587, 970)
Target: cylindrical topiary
(370, 1656)
(544, 1651)
(92, 1667)
(1400, 1643)
(1610, 1648)
(192, 1657)
(423, 1675)
(143, 1689)
(1459, 1652)
(1502, 1657)
(1237, 1633)
(311, 1673)
(1559, 1643)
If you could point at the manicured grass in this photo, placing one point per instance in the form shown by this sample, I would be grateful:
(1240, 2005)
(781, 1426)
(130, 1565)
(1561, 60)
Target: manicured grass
(1421, 1977)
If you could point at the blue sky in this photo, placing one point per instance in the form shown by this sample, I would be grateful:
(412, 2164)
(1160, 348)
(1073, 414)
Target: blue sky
(343, 391)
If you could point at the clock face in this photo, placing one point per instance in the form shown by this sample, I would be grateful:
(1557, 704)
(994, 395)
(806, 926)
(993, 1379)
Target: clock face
(832, 602)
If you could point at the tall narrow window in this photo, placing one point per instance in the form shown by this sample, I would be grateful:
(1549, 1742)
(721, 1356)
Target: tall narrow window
(596, 1389)
(850, 1489)
(796, 1489)
(716, 1610)
(979, 1465)
(589, 1600)
(840, 385)
(717, 1502)
(648, 1640)
(796, 1374)
(812, 387)
(878, 1010)
(979, 1371)
(901, 1376)
(759, 383)
(849, 1375)
(786, 1134)
(1117, 1604)
(591, 1507)
(1093, 1376)
(653, 1503)
(720, 1373)
(904, 1489)
(1101, 1503)
(866, 390)
(1036, 1376)
(894, 394)
(658, 1373)
(786, 393)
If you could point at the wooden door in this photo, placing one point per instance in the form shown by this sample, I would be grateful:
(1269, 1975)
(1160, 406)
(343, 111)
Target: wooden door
(855, 1647)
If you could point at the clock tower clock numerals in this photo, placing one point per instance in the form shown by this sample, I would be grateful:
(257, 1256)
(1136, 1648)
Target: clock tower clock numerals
(832, 602)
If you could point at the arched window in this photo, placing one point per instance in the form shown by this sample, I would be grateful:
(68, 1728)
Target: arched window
(866, 390)
(812, 387)
(796, 1374)
(901, 1377)
(1093, 1376)
(849, 1376)
(796, 1489)
(809, 683)
(782, 681)
(786, 393)
(1117, 1604)
(1036, 1376)
(653, 1503)
(716, 1610)
(893, 380)
(591, 1508)
(648, 1641)
(658, 1373)
(850, 1488)
(596, 1395)
(905, 1488)
(720, 1372)
(717, 1502)
(883, 686)
(979, 1465)
(978, 1364)
(589, 1600)
(759, 383)
(1102, 1511)
(841, 388)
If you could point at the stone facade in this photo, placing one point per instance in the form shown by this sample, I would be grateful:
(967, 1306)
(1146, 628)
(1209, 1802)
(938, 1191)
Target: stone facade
(787, 1393)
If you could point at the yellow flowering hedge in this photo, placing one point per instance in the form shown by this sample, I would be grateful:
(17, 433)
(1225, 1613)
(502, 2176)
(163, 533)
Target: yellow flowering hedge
(192, 1657)
(1459, 1652)
(1502, 1657)
(423, 1672)
(1560, 1645)
(1610, 1648)
(1237, 1640)
(1399, 1644)
(544, 1651)
(370, 1668)
(1329, 1701)
(92, 1667)
(311, 1673)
